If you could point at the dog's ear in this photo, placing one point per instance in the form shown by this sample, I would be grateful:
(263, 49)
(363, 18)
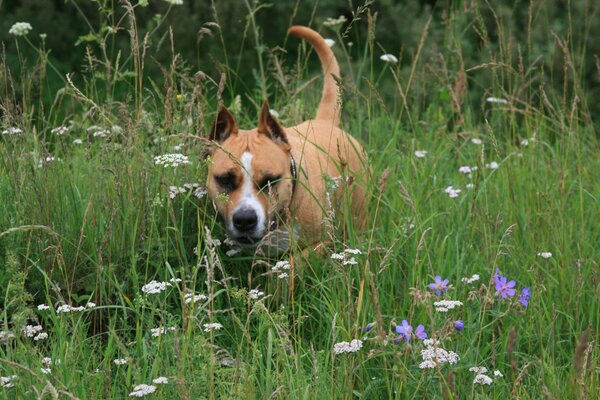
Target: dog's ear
(223, 126)
(268, 125)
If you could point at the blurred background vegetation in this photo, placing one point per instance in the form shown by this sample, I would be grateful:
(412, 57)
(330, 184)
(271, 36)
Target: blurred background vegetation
(468, 45)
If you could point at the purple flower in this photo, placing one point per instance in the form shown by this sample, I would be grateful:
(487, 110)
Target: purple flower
(439, 285)
(504, 287)
(405, 331)
(525, 296)
(458, 325)
(370, 326)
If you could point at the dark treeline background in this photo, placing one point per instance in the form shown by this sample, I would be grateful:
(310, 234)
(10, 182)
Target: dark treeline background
(527, 34)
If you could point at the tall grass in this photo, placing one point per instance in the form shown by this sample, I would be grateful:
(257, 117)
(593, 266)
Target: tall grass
(87, 219)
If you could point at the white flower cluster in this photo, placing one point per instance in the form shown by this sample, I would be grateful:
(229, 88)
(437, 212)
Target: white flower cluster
(199, 191)
(66, 308)
(97, 131)
(421, 153)
(497, 100)
(335, 21)
(171, 160)
(492, 165)
(161, 380)
(255, 294)
(12, 131)
(35, 332)
(175, 2)
(45, 371)
(5, 336)
(213, 326)
(477, 141)
(433, 355)
(545, 254)
(20, 29)
(142, 390)
(481, 378)
(7, 381)
(472, 279)
(120, 361)
(194, 298)
(445, 305)
(48, 361)
(345, 347)
(343, 256)
(61, 130)
(156, 287)
(280, 268)
(42, 307)
(156, 332)
(390, 58)
(452, 192)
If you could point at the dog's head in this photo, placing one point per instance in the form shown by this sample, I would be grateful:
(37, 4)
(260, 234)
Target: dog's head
(250, 176)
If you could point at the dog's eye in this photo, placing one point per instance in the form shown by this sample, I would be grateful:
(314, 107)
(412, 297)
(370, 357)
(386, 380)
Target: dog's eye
(267, 181)
(226, 181)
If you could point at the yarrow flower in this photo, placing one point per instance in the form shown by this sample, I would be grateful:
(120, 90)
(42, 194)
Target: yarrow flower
(12, 131)
(433, 355)
(155, 287)
(345, 347)
(390, 58)
(492, 165)
(214, 326)
(440, 285)
(525, 296)
(545, 254)
(476, 141)
(482, 379)
(496, 100)
(194, 298)
(452, 192)
(142, 390)
(32, 330)
(421, 153)
(175, 2)
(43, 307)
(445, 305)
(331, 22)
(7, 381)
(255, 294)
(171, 160)
(161, 380)
(280, 268)
(405, 331)
(61, 130)
(473, 278)
(20, 29)
(120, 361)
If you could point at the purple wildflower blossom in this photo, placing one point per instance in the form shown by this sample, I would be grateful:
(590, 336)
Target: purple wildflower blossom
(458, 325)
(370, 326)
(525, 296)
(504, 287)
(405, 331)
(439, 285)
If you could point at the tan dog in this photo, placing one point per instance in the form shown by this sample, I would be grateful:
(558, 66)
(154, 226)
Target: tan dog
(259, 178)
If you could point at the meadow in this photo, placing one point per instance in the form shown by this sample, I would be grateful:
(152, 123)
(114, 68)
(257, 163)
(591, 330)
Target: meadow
(478, 274)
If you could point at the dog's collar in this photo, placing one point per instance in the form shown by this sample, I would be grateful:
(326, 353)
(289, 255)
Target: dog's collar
(294, 173)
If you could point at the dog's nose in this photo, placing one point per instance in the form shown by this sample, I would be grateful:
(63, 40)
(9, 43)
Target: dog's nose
(245, 220)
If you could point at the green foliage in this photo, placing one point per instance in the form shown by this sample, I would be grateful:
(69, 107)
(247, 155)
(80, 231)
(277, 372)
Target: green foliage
(87, 216)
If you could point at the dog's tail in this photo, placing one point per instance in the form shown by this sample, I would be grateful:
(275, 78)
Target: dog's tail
(328, 108)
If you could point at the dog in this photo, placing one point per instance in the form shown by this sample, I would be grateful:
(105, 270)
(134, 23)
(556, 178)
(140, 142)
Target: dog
(274, 179)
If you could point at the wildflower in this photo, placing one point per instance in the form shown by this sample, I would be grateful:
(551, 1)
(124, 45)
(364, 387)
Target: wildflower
(525, 296)
(478, 370)
(78, 141)
(20, 28)
(255, 294)
(406, 331)
(40, 336)
(66, 308)
(458, 325)
(504, 287)
(5, 336)
(496, 100)
(351, 261)
(156, 332)
(12, 131)
(433, 355)
(525, 142)
(155, 287)
(498, 374)
(194, 298)
(482, 379)
(370, 326)
(421, 153)
(46, 371)
(171, 160)
(353, 251)
(545, 254)
(331, 22)
(120, 361)
(59, 131)
(43, 307)
(175, 2)
(473, 278)
(476, 141)
(390, 58)
(281, 266)
(329, 42)
(465, 169)
(90, 304)
(161, 380)
(143, 389)
(492, 165)
(47, 361)
(214, 326)
(345, 347)
(7, 381)
(97, 131)
(452, 192)
(469, 186)
(32, 330)
(200, 192)
(439, 285)
(445, 305)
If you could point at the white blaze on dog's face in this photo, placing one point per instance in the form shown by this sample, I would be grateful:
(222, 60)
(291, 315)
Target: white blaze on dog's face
(249, 178)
